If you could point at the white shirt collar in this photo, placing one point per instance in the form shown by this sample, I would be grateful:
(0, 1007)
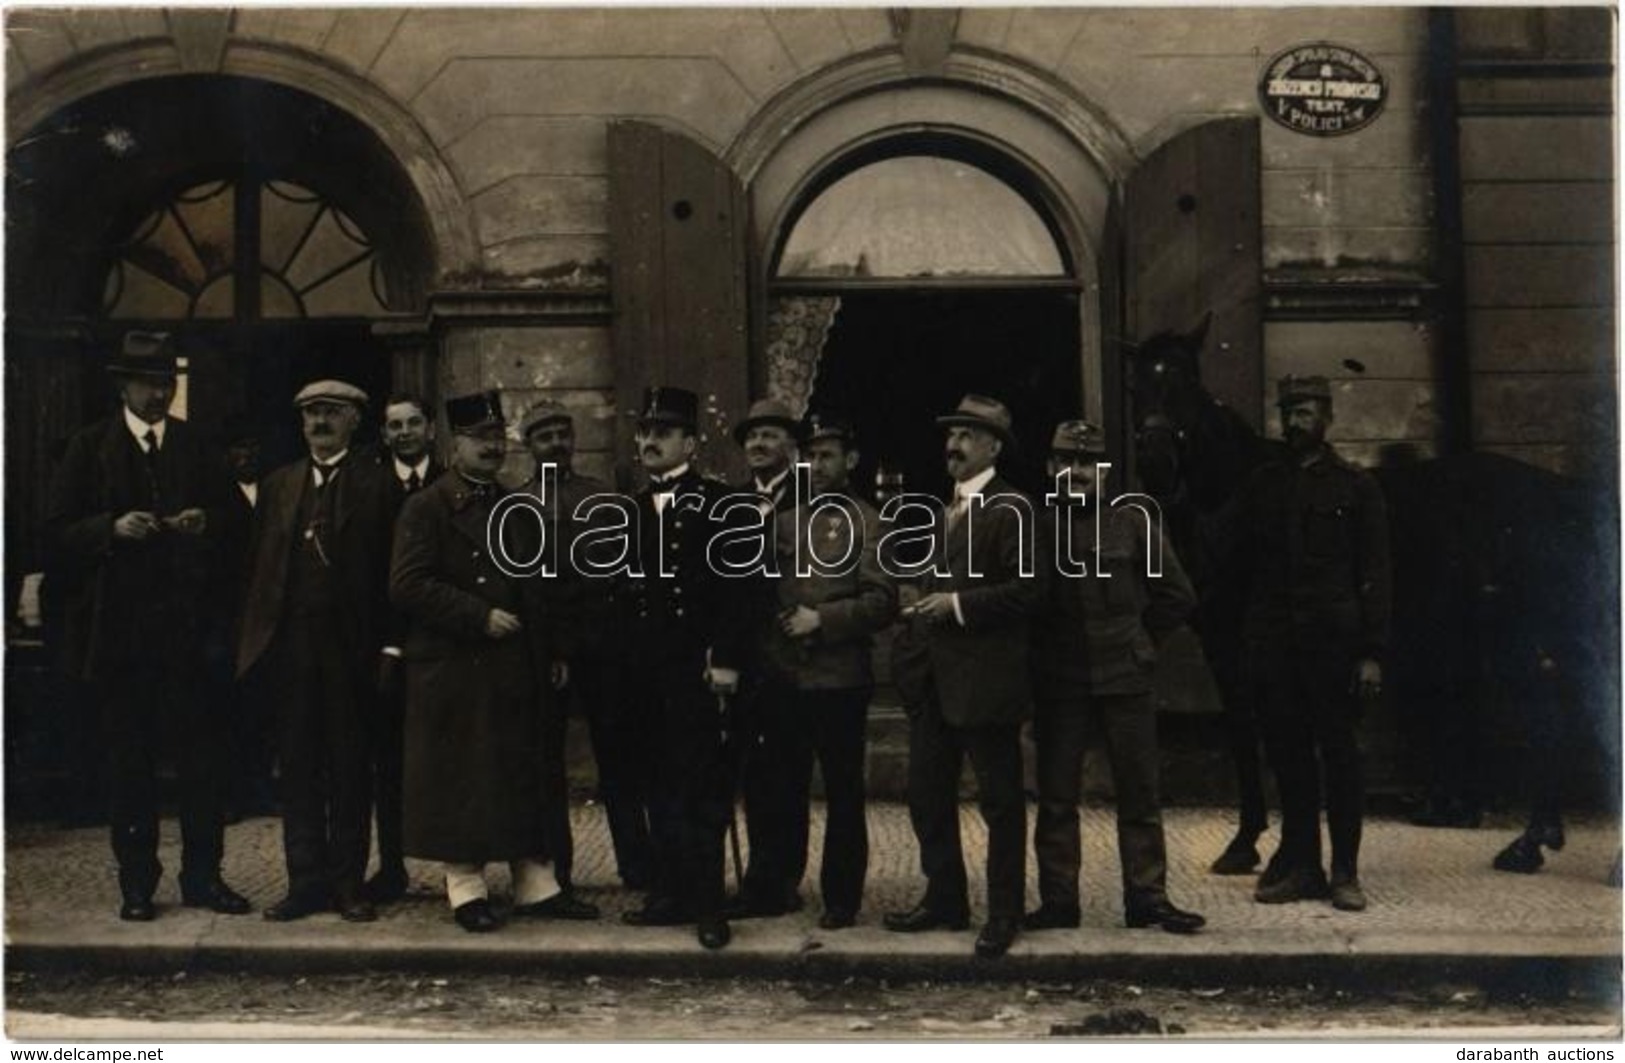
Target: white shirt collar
(140, 428)
(671, 474)
(403, 471)
(330, 462)
(772, 485)
(975, 485)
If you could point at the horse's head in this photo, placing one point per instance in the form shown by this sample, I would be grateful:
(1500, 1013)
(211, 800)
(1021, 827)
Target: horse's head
(1165, 390)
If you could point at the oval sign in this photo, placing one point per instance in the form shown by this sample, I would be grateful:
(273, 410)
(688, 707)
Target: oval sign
(1323, 90)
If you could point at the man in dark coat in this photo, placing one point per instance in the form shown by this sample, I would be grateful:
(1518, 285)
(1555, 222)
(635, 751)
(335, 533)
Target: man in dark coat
(1094, 648)
(408, 432)
(316, 618)
(686, 629)
(961, 666)
(1315, 554)
(831, 597)
(129, 520)
(478, 658)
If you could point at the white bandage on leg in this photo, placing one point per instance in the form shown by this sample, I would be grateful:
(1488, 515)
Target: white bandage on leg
(533, 881)
(464, 883)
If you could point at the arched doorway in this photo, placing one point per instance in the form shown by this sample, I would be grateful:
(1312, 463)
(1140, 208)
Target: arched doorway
(910, 272)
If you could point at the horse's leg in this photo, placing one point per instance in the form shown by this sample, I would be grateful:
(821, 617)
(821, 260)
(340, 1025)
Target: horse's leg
(1240, 856)
(1547, 706)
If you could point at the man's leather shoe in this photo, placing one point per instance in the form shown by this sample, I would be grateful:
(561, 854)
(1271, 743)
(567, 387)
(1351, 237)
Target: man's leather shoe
(1163, 913)
(564, 905)
(217, 897)
(996, 938)
(295, 906)
(1052, 917)
(387, 887)
(475, 916)
(138, 910)
(1522, 856)
(1347, 896)
(837, 919)
(922, 918)
(655, 913)
(714, 933)
(355, 908)
(1299, 884)
(1240, 857)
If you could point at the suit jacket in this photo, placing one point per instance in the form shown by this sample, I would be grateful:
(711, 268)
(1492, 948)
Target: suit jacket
(979, 672)
(396, 633)
(364, 506)
(116, 595)
(585, 602)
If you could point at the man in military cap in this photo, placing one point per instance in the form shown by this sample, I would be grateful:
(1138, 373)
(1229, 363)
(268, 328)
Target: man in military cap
(962, 668)
(408, 435)
(316, 617)
(479, 666)
(1094, 648)
(816, 678)
(129, 521)
(1314, 549)
(687, 627)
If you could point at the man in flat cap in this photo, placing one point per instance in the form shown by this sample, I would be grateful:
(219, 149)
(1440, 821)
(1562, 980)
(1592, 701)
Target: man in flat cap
(1314, 549)
(408, 436)
(961, 666)
(478, 655)
(830, 599)
(316, 618)
(128, 519)
(686, 626)
(1094, 648)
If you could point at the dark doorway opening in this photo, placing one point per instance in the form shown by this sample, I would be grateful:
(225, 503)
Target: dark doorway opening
(897, 360)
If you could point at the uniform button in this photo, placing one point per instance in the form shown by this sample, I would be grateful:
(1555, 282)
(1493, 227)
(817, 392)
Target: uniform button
(677, 590)
(479, 579)
(679, 610)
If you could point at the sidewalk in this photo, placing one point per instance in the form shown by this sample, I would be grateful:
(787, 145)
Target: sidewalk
(1437, 911)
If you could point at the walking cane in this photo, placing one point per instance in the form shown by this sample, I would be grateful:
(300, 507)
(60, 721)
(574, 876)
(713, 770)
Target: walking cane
(733, 818)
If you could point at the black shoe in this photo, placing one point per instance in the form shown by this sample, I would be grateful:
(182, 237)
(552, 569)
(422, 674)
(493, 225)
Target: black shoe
(837, 919)
(354, 907)
(1521, 856)
(296, 906)
(1548, 834)
(922, 918)
(1274, 871)
(1240, 857)
(1299, 884)
(217, 897)
(138, 910)
(565, 905)
(656, 913)
(996, 938)
(1162, 913)
(1347, 896)
(714, 933)
(1052, 917)
(475, 916)
(387, 886)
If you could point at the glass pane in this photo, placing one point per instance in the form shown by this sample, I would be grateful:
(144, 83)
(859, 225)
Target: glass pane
(219, 299)
(285, 214)
(920, 216)
(140, 294)
(277, 299)
(350, 294)
(167, 253)
(209, 213)
(333, 243)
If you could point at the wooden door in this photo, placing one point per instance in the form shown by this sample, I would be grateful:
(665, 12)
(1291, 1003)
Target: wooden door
(678, 245)
(1193, 245)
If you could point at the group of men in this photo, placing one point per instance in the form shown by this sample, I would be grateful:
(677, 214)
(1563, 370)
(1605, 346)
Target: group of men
(415, 676)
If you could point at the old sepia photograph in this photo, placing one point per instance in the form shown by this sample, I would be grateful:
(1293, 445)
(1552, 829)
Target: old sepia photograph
(713, 524)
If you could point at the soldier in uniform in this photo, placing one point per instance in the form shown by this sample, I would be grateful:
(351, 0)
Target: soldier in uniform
(686, 629)
(130, 520)
(1093, 651)
(1314, 551)
(478, 660)
(831, 597)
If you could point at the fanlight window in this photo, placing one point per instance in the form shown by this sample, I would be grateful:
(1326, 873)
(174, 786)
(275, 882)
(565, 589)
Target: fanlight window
(918, 216)
(305, 258)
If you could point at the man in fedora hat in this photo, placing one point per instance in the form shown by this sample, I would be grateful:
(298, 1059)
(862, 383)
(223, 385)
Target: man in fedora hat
(686, 629)
(128, 518)
(768, 437)
(1094, 648)
(961, 666)
(479, 657)
(1314, 549)
(316, 617)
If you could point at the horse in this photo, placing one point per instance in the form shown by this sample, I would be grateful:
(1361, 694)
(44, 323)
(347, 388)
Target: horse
(1504, 578)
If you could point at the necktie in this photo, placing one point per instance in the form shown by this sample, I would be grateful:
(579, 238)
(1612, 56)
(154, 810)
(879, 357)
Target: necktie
(413, 482)
(956, 512)
(150, 440)
(325, 471)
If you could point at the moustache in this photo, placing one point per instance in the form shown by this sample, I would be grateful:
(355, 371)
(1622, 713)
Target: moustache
(960, 454)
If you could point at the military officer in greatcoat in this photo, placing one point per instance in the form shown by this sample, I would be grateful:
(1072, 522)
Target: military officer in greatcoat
(479, 661)
(830, 598)
(1315, 555)
(1094, 647)
(687, 627)
(132, 517)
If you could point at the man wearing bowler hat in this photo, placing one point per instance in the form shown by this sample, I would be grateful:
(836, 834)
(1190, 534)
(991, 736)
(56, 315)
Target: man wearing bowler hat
(961, 666)
(316, 622)
(1314, 549)
(686, 627)
(478, 657)
(129, 518)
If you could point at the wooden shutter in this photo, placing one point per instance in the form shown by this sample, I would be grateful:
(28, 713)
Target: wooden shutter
(678, 239)
(1193, 245)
